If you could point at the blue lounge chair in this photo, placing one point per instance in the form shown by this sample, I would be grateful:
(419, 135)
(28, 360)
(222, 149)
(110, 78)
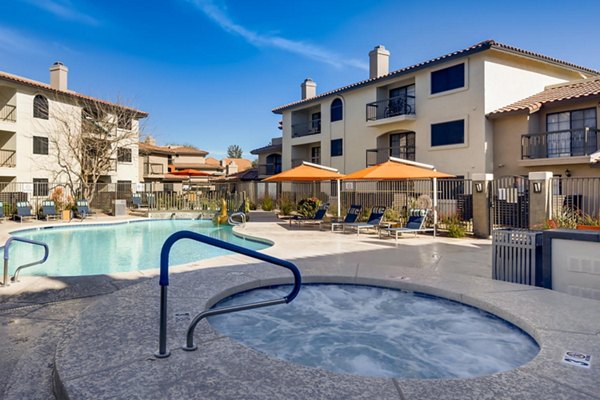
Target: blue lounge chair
(83, 209)
(375, 221)
(49, 210)
(316, 220)
(137, 200)
(151, 199)
(2, 215)
(24, 211)
(415, 224)
(351, 217)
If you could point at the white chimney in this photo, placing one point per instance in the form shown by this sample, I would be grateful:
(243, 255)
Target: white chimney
(379, 62)
(309, 89)
(58, 76)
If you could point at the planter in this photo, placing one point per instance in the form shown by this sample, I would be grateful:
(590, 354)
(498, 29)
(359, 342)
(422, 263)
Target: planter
(589, 227)
(66, 215)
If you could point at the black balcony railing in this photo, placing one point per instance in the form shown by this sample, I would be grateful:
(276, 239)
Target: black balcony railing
(382, 154)
(8, 113)
(392, 107)
(154, 169)
(306, 128)
(269, 169)
(566, 143)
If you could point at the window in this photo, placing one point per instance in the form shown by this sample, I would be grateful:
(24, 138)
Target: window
(402, 145)
(123, 155)
(124, 122)
(315, 155)
(567, 133)
(401, 101)
(40, 145)
(315, 122)
(448, 133)
(337, 147)
(40, 107)
(273, 164)
(337, 110)
(448, 79)
(40, 187)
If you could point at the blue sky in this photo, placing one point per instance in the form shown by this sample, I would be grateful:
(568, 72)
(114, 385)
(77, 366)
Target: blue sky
(210, 71)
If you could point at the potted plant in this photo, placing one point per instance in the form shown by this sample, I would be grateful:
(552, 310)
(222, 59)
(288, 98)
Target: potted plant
(588, 222)
(63, 202)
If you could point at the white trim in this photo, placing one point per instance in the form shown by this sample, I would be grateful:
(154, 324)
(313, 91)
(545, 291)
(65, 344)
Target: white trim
(414, 163)
(320, 166)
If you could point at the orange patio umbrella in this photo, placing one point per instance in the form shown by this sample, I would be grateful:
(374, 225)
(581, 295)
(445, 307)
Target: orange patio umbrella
(190, 172)
(396, 169)
(309, 172)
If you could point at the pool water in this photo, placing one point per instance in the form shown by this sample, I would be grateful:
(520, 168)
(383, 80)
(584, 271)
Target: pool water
(107, 248)
(371, 331)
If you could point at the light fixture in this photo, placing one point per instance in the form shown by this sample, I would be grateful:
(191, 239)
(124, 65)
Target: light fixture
(537, 187)
(479, 187)
(567, 173)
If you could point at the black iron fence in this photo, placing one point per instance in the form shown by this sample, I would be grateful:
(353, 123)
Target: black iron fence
(392, 107)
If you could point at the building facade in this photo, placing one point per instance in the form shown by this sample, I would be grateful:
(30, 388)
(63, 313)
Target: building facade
(36, 118)
(434, 112)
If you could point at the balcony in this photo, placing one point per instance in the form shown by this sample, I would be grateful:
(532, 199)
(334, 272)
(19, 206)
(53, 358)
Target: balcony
(306, 128)
(8, 113)
(153, 169)
(268, 169)
(8, 158)
(560, 144)
(401, 106)
(382, 154)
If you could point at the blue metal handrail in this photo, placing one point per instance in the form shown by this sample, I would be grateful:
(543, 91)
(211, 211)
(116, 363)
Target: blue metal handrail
(164, 282)
(6, 247)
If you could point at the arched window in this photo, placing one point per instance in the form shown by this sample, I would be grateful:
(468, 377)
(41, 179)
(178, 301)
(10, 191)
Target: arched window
(273, 164)
(40, 107)
(337, 110)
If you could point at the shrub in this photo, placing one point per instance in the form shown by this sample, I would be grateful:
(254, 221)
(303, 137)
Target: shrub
(286, 206)
(456, 227)
(309, 206)
(391, 215)
(267, 204)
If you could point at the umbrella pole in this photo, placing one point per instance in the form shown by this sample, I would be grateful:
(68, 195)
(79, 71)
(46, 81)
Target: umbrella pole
(435, 198)
(339, 201)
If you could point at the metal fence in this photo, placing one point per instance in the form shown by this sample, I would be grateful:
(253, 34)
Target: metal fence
(517, 256)
(576, 199)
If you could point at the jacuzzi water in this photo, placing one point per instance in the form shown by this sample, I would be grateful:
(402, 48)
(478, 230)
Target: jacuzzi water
(371, 331)
(102, 249)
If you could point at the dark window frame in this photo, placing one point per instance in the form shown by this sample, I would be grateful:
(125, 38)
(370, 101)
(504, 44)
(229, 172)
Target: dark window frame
(337, 147)
(315, 154)
(41, 107)
(124, 155)
(447, 79)
(337, 110)
(40, 145)
(446, 133)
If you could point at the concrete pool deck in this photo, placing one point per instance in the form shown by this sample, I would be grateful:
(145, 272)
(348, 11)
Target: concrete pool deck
(106, 351)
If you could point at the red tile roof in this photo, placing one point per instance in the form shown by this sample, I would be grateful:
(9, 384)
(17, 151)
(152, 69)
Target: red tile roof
(565, 91)
(40, 85)
(479, 47)
(242, 163)
(184, 150)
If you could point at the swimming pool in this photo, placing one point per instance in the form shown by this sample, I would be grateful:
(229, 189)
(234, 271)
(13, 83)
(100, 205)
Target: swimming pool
(106, 248)
(372, 331)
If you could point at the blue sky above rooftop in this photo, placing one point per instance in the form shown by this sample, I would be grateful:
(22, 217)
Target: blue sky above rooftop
(209, 72)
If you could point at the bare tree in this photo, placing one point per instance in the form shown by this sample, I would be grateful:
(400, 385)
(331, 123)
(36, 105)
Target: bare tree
(86, 138)
(234, 151)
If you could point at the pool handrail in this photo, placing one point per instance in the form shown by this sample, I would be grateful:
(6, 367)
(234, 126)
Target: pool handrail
(164, 283)
(233, 222)
(6, 257)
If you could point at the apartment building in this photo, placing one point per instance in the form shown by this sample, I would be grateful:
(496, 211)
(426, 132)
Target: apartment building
(433, 112)
(269, 158)
(31, 112)
(554, 130)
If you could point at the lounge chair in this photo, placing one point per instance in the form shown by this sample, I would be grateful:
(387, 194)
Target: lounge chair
(83, 209)
(24, 211)
(2, 215)
(351, 217)
(415, 224)
(316, 220)
(137, 200)
(375, 221)
(151, 199)
(49, 210)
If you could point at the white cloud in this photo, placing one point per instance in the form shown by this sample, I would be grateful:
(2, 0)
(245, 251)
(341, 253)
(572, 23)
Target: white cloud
(64, 9)
(220, 17)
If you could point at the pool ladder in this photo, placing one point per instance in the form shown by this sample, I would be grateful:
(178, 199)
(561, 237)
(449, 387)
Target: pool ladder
(232, 218)
(163, 352)
(15, 277)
